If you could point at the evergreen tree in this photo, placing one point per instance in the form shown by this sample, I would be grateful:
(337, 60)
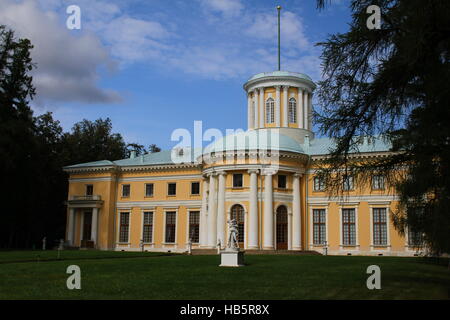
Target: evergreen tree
(393, 82)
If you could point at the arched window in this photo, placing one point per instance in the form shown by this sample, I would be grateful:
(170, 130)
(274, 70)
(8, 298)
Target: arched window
(292, 112)
(270, 111)
(237, 213)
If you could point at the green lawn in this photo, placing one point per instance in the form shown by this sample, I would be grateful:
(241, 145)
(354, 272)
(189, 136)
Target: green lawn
(154, 276)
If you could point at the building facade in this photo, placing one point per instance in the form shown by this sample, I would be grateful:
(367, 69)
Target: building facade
(264, 178)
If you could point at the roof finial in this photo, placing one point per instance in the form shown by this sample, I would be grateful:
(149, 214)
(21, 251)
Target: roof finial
(279, 38)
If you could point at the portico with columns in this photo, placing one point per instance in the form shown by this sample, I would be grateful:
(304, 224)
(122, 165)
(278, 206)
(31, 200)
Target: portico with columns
(83, 211)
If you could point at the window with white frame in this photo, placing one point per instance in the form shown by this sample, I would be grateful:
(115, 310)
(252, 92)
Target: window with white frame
(171, 189)
(238, 180)
(194, 226)
(270, 110)
(171, 223)
(348, 183)
(292, 111)
(379, 226)
(319, 184)
(415, 238)
(348, 227)
(147, 235)
(126, 190)
(124, 227)
(319, 226)
(195, 188)
(149, 189)
(378, 182)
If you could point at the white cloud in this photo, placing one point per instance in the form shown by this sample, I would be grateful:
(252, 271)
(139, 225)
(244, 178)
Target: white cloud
(228, 8)
(67, 64)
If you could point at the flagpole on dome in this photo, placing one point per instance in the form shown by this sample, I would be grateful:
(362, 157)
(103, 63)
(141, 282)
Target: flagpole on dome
(279, 37)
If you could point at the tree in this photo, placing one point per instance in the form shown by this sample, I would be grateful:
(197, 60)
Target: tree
(393, 82)
(93, 141)
(153, 148)
(139, 149)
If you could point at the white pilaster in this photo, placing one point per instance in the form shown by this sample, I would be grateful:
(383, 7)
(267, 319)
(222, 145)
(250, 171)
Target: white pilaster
(204, 215)
(289, 230)
(305, 110)
(71, 226)
(253, 217)
(285, 106)
(249, 112)
(268, 212)
(212, 212)
(261, 107)
(277, 107)
(310, 111)
(221, 209)
(256, 101)
(296, 218)
(94, 226)
(300, 112)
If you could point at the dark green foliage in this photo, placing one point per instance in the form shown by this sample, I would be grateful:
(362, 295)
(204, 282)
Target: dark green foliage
(33, 151)
(394, 82)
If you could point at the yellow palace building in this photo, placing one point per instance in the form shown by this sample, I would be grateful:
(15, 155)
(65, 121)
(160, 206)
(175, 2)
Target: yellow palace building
(264, 178)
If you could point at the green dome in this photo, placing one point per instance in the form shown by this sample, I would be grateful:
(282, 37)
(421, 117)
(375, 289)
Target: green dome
(263, 139)
(280, 74)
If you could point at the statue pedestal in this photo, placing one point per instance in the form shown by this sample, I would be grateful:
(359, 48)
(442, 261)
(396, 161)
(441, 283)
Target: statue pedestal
(231, 258)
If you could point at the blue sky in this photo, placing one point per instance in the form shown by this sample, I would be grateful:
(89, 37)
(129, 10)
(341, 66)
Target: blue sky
(153, 66)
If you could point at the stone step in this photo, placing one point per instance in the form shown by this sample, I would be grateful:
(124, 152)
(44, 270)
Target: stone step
(272, 252)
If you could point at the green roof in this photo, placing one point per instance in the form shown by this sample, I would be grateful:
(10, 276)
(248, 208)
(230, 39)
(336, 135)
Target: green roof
(249, 140)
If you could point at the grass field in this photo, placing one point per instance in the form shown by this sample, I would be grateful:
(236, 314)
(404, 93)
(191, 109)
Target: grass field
(126, 275)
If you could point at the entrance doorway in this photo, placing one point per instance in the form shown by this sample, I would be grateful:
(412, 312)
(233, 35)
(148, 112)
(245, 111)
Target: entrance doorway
(87, 228)
(282, 228)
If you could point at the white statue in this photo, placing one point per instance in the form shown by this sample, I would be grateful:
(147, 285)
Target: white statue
(233, 233)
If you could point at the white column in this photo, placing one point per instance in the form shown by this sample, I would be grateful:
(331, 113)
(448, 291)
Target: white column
(285, 106)
(310, 111)
(300, 112)
(71, 226)
(249, 112)
(204, 216)
(261, 108)
(212, 212)
(94, 226)
(221, 209)
(305, 110)
(277, 107)
(268, 212)
(256, 101)
(253, 216)
(289, 230)
(296, 218)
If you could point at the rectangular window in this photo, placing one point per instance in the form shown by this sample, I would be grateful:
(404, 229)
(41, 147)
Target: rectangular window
(348, 183)
(415, 238)
(124, 227)
(147, 235)
(172, 189)
(171, 223)
(195, 188)
(149, 189)
(319, 184)
(89, 190)
(194, 226)
(379, 227)
(282, 181)
(348, 227)
(126, 190)
(378, 182)
(319, 226)
(237, 180)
